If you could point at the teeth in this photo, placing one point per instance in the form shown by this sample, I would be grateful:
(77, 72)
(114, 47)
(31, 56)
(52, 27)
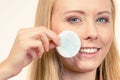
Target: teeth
(88, 50)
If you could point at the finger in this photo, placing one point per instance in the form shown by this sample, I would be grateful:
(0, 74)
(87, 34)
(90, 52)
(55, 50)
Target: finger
(30, 56)
(33, 34)
(39, 35)
(53, 37)
(45, 41)
(50, 34)
(30, 29)
(24, 31)
(33, 44)
(52, 46)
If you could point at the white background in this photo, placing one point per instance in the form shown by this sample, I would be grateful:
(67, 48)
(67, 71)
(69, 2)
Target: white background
(16, 14)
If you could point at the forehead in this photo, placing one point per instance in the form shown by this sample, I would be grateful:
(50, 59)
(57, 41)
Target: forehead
(86, 5)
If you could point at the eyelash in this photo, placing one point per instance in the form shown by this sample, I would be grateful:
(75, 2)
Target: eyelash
(73, 20)
(103, 20)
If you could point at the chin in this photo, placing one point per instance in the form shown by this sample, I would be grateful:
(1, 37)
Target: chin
(82, 66)
(86, 69)
(77, 65)
(86, 66)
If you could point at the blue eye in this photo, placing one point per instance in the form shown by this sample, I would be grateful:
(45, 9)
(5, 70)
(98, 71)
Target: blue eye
(74, 20)
(102, 20)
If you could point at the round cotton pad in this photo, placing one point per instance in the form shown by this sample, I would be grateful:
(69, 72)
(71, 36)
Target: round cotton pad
(69, 44)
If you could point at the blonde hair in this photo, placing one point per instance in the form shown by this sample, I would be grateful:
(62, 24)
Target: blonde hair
(49, 67)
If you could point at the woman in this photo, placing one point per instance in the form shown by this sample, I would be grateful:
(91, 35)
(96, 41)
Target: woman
(92, 20)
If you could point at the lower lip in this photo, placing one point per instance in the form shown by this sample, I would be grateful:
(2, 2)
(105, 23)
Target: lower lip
(91, 55)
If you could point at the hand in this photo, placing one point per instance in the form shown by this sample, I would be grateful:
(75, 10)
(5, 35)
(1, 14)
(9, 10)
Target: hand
(30, 43)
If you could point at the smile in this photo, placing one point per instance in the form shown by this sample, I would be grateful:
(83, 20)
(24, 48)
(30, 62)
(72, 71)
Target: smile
(89, 50)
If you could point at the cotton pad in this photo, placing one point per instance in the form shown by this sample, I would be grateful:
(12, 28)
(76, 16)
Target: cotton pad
(69, 44)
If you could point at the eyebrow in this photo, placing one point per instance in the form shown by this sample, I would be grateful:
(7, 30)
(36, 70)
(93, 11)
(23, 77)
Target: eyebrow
(108, 12)
(82, 12)
(75, 11)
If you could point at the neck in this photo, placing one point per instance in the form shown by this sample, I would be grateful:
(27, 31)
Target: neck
(70, 75)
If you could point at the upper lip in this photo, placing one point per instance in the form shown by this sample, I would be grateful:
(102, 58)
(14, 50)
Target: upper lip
(89, 47)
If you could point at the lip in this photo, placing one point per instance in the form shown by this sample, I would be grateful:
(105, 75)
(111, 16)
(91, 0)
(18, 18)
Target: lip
(91, 55)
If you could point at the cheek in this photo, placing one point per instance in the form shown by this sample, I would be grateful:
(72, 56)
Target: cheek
(55, 29)
(106, 34)
(55, 26)
(58, 25)
(68, 63)
(107, 37)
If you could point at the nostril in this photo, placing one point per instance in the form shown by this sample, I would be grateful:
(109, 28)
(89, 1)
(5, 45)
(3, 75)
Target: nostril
(90, 37)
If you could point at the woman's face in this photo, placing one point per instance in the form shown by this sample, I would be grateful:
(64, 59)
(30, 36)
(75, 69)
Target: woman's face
(92, 21)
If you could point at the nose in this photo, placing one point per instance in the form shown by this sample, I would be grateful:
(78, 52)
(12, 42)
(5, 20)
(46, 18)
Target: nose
(90, 31)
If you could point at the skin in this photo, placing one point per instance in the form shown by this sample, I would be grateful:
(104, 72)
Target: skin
(23, 52)
(90, 19)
